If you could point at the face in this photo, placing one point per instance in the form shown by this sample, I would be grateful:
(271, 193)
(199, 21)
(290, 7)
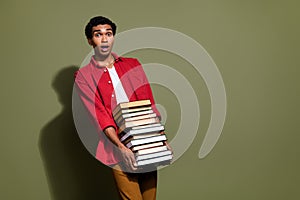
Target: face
(102, 40)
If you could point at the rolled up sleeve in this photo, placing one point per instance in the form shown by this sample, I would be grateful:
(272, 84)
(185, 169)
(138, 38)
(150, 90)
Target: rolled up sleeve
(93, 103)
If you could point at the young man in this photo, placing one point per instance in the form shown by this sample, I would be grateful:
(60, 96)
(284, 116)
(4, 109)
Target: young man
(106, 81)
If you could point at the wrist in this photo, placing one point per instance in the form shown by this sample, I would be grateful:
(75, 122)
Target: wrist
(121, 146)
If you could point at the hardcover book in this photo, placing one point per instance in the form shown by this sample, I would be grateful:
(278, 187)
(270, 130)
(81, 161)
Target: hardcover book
(157, 161)
(141, 131)
(159, 138)
(153, 155)
(131, 105)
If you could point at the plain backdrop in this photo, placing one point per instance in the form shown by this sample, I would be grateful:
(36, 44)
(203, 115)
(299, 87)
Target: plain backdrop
(255, 45)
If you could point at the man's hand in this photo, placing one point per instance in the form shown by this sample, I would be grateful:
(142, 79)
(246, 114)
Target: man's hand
(128, 158)
(167, 144)
(170, 149)
(126, 154)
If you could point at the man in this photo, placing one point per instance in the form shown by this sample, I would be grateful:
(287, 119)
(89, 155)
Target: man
(106, 81)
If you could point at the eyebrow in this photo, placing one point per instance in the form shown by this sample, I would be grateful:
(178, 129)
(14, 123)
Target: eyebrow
(109, 29)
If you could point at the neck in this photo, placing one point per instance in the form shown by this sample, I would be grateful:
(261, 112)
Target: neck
(104, 61)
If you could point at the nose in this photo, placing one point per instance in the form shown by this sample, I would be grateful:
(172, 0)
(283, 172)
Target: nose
(104, 38)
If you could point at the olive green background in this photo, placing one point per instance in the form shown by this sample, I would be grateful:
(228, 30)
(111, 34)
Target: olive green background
(255, 45)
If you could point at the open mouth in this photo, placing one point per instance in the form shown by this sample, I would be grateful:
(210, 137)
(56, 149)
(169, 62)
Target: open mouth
(104, 48)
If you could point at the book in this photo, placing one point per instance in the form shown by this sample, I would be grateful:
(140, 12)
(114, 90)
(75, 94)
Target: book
(151, 150)
(134, 104)
(140, 136)
(146, 146)
(124, 126)
(131, 104)
(159, 138)
(132, 112)
(156, 161)
(153, 155)
(142, 131)
(139, 129)
(146, 126)
(121, 120)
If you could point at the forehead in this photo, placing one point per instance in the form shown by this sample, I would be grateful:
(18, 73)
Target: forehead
(102, 28)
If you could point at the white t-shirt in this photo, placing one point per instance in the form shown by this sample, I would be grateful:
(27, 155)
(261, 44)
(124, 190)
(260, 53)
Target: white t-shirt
(121, 96)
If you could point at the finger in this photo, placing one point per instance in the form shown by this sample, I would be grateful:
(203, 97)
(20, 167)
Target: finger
(130, 161)
(133, 162)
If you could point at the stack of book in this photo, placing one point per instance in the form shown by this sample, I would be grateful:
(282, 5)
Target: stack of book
(141, 131)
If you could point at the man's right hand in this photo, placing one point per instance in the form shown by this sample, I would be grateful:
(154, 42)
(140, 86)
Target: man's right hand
(128, 158)
(126, 154)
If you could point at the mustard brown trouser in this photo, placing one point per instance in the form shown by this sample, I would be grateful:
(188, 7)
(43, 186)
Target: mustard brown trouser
(135, 186)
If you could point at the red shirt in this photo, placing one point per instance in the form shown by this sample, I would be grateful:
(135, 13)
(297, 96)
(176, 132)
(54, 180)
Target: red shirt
(96, 91)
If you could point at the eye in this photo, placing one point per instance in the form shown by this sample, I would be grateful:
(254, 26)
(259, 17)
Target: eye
(97, 34)
(109, 34)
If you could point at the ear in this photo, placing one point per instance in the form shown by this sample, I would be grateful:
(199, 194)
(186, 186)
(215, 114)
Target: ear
(90, 41)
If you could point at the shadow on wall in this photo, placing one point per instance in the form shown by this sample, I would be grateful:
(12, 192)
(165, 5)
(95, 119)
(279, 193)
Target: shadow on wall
(72, 172)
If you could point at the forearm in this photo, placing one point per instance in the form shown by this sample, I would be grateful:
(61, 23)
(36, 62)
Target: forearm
(127, 154)
(111, 134)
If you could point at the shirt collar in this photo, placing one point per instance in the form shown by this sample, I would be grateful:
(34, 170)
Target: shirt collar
(95, 64)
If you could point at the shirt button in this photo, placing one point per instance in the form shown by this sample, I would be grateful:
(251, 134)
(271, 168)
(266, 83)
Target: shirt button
(112, 95)
(109, 82)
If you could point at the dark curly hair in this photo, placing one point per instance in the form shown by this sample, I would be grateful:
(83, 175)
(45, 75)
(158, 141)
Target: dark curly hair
(95, 21)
